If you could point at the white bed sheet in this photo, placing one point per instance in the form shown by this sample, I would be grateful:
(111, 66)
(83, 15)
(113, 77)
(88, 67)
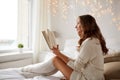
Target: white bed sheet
(16, 74)
(11, 74)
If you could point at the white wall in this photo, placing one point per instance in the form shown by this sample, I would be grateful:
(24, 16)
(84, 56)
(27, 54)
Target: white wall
(64, 19)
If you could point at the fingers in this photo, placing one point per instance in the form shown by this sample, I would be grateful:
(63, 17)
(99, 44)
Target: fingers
(55, 47)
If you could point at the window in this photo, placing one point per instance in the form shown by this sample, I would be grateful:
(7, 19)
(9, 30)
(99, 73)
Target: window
(15, 24)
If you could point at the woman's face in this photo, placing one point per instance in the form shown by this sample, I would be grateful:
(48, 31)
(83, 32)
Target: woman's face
(79, 28)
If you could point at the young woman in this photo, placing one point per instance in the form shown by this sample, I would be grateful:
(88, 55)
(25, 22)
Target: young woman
(89, 64)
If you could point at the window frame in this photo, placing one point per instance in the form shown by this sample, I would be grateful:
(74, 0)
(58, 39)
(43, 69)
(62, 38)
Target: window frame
(30, 8)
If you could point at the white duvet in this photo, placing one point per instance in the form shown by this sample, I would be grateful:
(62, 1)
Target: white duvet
(11, 74)
(40, 71)
(16, 74)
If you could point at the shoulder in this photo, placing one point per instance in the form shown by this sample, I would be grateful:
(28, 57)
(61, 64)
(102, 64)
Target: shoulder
(91, 42)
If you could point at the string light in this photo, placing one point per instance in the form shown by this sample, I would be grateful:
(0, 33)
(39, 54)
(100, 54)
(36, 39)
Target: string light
(97, 8)
(65, 9)
(53, 4)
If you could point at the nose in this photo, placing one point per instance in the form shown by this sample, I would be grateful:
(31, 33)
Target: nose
(75, 26)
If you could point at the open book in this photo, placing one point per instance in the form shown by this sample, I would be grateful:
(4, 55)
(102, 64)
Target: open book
(50, 38)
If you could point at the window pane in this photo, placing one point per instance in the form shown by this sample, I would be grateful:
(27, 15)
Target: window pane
(15, 24)
(8, 23)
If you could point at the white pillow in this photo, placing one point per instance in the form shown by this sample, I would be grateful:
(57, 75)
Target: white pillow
(70, 47)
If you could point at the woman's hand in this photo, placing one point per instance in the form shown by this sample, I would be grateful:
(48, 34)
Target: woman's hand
(55, 50)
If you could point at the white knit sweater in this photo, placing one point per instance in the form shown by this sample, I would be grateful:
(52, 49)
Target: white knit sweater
(89, 64)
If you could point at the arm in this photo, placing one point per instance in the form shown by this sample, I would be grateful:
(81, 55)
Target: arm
(75, 65)
(87, 52)
(56, 51)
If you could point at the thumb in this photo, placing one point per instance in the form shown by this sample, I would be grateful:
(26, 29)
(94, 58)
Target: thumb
(57, 46)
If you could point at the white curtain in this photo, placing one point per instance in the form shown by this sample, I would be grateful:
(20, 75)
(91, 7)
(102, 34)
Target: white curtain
(41, 21)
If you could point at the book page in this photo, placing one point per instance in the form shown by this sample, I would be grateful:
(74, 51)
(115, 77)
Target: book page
(50, 38)
(46, 38)
(53, 39)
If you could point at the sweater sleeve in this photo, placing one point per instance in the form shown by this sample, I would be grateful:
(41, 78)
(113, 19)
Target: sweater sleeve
(86, 53)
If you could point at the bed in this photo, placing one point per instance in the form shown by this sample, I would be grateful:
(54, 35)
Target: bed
(17, 74)
(38, 71)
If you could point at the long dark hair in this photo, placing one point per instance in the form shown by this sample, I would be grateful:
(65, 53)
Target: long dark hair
(91, 29)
